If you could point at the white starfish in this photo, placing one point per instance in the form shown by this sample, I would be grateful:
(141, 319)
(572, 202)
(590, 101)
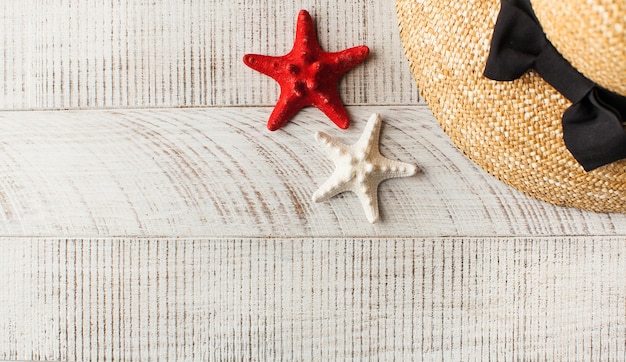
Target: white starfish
(360, 168)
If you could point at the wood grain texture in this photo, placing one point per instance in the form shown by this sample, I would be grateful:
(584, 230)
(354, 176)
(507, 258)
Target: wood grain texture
(123, 53)
(220, 172)
(313, 299)
(134, 230)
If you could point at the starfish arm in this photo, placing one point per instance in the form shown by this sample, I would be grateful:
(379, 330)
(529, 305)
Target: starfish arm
(334, 185)
(287, 106)
(331, 146)
(343, 61)
(266, 64)
(387, 169)
(341, 179)
(305, 32)
(368, 195)
(368, 142)
(330, 104)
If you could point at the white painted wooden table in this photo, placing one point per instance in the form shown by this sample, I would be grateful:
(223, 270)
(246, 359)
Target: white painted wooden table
(146, 213)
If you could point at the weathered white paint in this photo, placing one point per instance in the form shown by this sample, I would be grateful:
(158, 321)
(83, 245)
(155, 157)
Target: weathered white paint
(313, 299)
(146, 232)
(125, 53)
(219, 172)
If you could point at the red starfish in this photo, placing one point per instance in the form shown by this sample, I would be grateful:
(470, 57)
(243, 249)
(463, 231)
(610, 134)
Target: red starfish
(307, 75)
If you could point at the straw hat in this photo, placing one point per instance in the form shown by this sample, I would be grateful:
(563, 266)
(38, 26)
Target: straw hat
(519, 127)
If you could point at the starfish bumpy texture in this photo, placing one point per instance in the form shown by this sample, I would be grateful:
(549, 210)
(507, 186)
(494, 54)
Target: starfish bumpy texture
(360, 168)
(307, 75)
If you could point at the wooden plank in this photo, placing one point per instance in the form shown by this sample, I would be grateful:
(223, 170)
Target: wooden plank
(219, 172)
(121, 53)
(555, 298)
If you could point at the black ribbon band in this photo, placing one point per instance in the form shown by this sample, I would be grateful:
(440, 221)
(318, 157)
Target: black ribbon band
(593, 128)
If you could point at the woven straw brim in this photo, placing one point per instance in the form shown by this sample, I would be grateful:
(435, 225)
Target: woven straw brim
(591, 35)
(510, 129)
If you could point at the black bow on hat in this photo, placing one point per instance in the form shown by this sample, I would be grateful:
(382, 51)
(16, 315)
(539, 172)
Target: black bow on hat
(593, 128)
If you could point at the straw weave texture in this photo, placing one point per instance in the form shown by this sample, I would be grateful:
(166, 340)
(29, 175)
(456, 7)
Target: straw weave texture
(511, 129)
(591, 35)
